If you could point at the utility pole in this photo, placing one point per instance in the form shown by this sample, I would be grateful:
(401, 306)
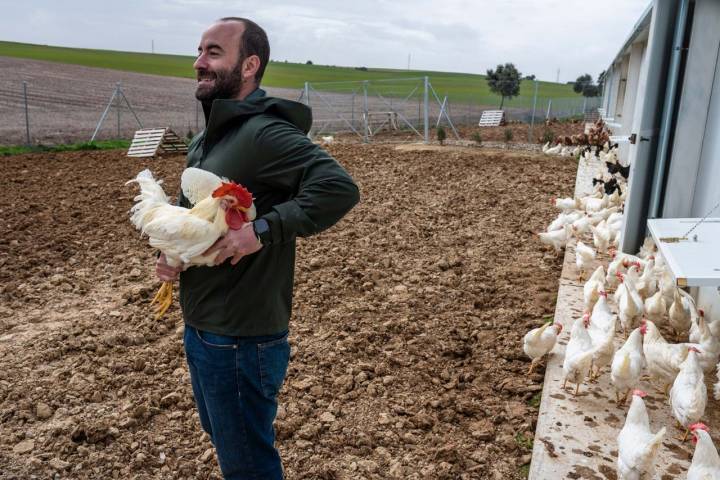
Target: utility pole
(153, 46)
(558, 76)
(408, 61)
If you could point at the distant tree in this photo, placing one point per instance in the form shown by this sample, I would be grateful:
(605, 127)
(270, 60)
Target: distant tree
(601, 81)
(584, 85)
(309, 62)
(529, 77)
(504, 81)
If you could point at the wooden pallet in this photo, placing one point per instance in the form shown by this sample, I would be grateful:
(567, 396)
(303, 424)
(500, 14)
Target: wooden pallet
(492, 118)
(148, 141)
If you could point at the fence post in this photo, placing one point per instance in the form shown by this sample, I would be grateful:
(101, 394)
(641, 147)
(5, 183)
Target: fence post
(27, 118)
(532, 119)
(426, 109)
(117, 107)
(584, 105)
(547, 115)
(366, 123)
(307, 93)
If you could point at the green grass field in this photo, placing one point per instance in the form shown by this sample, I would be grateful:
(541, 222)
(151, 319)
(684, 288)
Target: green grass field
(460, 87)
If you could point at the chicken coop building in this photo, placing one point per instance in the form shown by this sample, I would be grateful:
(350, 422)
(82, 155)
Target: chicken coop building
(662, 93)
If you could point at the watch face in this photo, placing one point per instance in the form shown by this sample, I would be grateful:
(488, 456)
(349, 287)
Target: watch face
(261, 227)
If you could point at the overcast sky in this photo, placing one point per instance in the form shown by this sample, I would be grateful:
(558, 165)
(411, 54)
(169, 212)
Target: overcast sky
(538, 36)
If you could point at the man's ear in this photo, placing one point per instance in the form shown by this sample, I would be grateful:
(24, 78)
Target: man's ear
(250, 67)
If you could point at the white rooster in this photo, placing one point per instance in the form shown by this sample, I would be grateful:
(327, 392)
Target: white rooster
(183, 234)
(637, 445)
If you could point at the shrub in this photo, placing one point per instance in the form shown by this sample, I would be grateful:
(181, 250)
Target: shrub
(548, 136)
(477, 138)
(441, 135)
(190, 134)
(508, 135)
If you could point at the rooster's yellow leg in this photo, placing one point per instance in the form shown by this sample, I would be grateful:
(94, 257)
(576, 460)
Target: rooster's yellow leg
(577, 389)
(617, 398)
(159, 294)
(684, 437)
(163, 298)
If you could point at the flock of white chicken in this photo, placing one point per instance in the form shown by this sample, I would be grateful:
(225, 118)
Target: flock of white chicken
(645, 297)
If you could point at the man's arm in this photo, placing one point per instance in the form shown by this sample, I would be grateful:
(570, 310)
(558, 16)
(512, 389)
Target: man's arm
(322, 191)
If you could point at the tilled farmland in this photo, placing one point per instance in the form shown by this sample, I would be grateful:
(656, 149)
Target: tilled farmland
(406, 333)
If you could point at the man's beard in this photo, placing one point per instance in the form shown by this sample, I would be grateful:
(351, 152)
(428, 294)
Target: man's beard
(228, 84)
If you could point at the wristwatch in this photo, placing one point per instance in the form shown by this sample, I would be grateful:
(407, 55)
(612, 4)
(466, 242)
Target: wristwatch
(261, 227)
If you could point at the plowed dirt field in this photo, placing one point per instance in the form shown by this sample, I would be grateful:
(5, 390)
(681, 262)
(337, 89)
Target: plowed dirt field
(406, 334)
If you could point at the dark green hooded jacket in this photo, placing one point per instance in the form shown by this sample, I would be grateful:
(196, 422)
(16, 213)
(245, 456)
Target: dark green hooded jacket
(261, 143)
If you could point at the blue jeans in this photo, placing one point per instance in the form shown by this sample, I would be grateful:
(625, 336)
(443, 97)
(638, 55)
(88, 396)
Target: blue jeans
(235, 381)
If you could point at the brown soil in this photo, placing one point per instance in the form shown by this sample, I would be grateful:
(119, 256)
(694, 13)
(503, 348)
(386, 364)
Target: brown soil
(406, 333)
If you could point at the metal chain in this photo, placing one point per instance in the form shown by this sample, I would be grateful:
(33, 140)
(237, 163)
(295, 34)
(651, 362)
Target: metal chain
(702, 220)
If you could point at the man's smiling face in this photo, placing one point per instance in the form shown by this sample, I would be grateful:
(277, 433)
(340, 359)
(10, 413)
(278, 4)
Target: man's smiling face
(218, 64)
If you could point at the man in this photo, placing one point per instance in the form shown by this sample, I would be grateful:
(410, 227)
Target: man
(237, 312)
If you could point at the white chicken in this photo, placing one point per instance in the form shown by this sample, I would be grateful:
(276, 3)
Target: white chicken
(648, 248)
(663, 359)
(581, 225)
(627, 365)
(593, 287)
(637, 445)
(601, 313)
(647, 283)
(601, 236)
(667, 286)
(540, 341)
(563, 219)
(553, 150)
(705, 463)
(556, 239)
(688, 395)
(584, 258)
(630, 305)
(656, 308)
(578, 354)
(708, 344)
(182, 234)
(602, 334)
(566, 204)
(679, 314)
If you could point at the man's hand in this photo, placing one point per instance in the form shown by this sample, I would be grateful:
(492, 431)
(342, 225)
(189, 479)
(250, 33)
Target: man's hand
(235, 244)
(165, 272)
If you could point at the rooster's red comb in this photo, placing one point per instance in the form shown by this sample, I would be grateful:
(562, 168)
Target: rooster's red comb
(241, 194)
(639, 393)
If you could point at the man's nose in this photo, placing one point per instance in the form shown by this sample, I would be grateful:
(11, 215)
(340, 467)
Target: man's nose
(200, 62)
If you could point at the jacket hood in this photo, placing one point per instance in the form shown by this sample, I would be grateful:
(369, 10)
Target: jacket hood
(222, 112)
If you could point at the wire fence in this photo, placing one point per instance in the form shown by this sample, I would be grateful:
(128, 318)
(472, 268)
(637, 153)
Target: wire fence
(33, 113)
(366, 108)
